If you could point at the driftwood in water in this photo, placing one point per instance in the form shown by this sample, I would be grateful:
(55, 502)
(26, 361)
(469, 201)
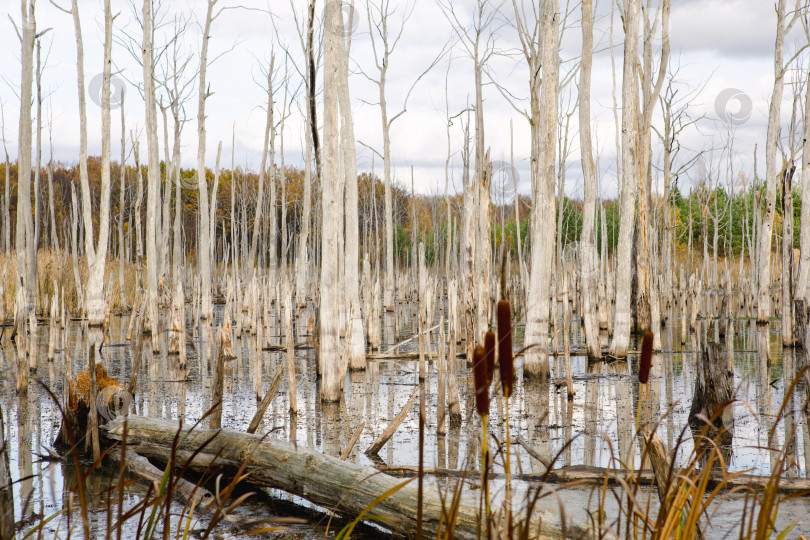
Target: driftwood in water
(714, 390)
(218, 383)
(377, 445)
(345, 487)
(348, 450)
(268, 397)
(589, 475)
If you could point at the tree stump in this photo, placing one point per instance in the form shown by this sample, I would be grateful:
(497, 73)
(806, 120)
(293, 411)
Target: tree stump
(113, 400)
(713, 394)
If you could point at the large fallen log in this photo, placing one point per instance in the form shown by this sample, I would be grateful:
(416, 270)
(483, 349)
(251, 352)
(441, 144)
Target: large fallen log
(343, 487)
(138, 465)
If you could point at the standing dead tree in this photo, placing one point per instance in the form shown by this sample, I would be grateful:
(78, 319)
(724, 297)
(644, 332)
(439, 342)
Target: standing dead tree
(647, 290)
(783, 27)
(331, 209)
(477, 40)
(384, 41)
(355, 338)
(802, 290)
(588, 249)
(543, 123)
(630, 171)
(25, 243)
(96, 253)
(204, 262)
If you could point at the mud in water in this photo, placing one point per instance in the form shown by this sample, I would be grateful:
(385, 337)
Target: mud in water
(599, 422)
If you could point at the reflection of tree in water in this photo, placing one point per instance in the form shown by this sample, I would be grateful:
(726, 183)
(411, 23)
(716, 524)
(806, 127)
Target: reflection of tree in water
(788, 374)
(591, 430)
(536, 396)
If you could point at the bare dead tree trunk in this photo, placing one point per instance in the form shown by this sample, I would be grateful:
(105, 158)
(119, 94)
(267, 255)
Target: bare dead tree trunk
(153, 176)
(648, 284)
(802, 292)
(165, 215)
(331, 187)
(355, 337)
(543, 125)
(96, 253)
(137, 206)
(177, 253)
(204, 250)
(766, 231)
(6, 198)
(268, 128)
(24, 241)
(122, 179)
(786, 184)
(624, 272)
(588, 251)
(38, 163)
(302, 254)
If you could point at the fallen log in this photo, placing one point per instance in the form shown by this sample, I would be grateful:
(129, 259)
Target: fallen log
(137, 465)
(343, 487)
(588, 475)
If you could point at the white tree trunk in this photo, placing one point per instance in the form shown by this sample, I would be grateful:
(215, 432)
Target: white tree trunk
(268, 127)
(624, 271)
(331, 187)
(122, 180)
(204, 247)
(588, 250)
(802, 292)
(96, 253)
(24, 241)
(153, 177)
(355, 337)
(766, 231)
(544, 145)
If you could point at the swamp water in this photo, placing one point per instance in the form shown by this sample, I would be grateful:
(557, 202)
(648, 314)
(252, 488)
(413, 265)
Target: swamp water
(599, 423)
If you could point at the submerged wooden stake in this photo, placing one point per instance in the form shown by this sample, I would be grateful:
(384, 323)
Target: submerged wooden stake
(266, 400)
(377, 445)
(347, 452)
(217, 387)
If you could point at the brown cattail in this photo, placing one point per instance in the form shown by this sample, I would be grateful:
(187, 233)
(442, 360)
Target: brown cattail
(646, 358)
(505, 359)
(489, 355)
(481, 386)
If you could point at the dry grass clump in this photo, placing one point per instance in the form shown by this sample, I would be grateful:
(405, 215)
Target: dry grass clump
(57, 266)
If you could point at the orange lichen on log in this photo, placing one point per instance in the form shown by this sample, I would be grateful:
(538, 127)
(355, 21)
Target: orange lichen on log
(80, 387)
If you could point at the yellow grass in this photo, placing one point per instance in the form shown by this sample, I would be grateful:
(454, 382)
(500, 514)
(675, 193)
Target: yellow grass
(58, 265)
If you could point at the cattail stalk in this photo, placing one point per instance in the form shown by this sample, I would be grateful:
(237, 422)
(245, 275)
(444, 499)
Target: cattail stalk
(507, 370)
(481, 377)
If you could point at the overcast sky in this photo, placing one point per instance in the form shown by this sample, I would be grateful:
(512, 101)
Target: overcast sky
(722, 51)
